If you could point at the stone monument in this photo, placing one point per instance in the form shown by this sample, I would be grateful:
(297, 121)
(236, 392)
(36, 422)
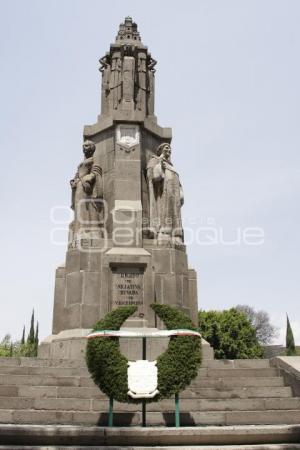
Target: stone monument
(126, 242)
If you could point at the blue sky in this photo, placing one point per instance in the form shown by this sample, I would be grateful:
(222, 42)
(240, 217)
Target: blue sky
(227, 82)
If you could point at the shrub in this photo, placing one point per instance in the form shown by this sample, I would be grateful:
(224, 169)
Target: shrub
(230, 334)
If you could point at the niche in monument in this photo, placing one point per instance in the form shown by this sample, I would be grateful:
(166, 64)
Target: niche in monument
(128, 287)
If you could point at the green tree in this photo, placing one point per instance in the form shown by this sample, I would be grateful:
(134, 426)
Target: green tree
(36, 337)
(5, 346)
(230, 334)
(260, 320)
(9, 348)
(30, 338)
(290, 342)
(23, 336)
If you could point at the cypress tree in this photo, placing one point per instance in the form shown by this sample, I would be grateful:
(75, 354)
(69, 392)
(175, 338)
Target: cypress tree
(23, 336)
(290, 342)
(30, 339)
(36, 337)
(36, 340)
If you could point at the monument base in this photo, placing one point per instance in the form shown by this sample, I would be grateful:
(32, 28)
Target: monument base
(71, 344)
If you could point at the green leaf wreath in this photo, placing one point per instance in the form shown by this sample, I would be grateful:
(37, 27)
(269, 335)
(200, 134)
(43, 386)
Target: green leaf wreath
(177, 366)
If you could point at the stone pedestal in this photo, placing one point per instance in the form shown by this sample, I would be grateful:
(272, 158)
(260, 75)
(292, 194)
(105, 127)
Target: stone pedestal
(92, 283)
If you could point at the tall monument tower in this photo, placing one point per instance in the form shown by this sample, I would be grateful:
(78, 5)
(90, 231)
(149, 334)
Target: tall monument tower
(126, 242)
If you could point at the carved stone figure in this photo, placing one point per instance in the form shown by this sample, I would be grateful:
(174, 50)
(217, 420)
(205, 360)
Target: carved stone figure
(128, 78)
(115, 82)
(87, 193)
(165, 196)
(141, 81)
(105, 69)
(151, 74)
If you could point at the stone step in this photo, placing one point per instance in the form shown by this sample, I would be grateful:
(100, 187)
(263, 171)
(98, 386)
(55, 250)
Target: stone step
(191, 405)
(186, 405)
(41, 380)
(243, 392)
(94, 392)
(237, 372)
(81, 371)
(146, 438)
(236, 363)
(41, 370)
(218, 382)
(172, 447)
(221, 382)
(39, 362)
(199, 418)
(80, 363)
(225, 418)
(51, 391)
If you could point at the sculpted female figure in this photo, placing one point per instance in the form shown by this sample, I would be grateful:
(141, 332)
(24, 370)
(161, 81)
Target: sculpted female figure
(165, 196)
(87, 193)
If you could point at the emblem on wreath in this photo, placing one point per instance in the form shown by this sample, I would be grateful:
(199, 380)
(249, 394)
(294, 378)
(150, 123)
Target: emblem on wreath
(142, 379)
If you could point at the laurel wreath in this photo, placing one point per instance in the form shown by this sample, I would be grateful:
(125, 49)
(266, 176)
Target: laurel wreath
(177, 366)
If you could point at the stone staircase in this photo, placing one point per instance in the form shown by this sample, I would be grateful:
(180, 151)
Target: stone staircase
(240, 392)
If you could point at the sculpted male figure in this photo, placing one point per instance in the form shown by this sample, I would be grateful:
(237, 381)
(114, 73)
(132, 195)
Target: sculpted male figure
(165, 196)
(87, 193)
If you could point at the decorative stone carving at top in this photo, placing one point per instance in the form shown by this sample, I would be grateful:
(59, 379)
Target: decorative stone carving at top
(128, 31)
(165, 197)
(127, 74)
(87, 196)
